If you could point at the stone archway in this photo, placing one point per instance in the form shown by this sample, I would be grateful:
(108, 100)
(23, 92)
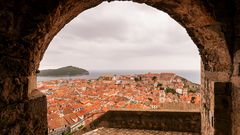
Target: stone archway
(29, 27)
(204, 30)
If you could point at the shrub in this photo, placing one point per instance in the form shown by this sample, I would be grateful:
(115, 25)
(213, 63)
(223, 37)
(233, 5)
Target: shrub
(170, 90)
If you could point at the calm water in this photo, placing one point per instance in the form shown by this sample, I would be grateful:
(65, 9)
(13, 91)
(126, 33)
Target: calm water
(192, 75)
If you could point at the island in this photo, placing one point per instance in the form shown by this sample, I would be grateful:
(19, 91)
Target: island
(64, 71)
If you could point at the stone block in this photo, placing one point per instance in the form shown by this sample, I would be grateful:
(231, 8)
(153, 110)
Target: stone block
(26, 118)
(12, 67)
(150, 120)
(13, 89)
(222, 88)
(222, 126)
(222, 115)
(222, 103)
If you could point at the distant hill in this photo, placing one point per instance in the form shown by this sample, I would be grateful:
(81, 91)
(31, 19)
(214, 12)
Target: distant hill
(64, 71)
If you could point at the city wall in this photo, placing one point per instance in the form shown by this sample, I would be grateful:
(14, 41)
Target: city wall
(149, 120)
(187, 107)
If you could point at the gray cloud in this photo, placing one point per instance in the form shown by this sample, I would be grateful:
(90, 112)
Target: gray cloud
(122, 35)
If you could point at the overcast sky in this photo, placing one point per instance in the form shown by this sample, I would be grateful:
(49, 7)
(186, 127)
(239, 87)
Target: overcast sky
(122, 35)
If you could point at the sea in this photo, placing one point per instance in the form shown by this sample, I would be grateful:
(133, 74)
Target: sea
(191, 75)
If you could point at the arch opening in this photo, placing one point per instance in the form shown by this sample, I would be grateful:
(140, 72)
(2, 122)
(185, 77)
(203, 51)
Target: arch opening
(116, 37)
(141, 44)
(205, 32)
(28, 32)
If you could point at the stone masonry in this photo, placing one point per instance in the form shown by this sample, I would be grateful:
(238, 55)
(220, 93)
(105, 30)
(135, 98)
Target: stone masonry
(120, 131)
(149, 120)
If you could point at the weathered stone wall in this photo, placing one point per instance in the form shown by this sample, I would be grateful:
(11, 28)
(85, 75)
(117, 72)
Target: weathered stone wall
(149, 120)
(25, 117)
(175, 107)
(188, 107)
(222, 108)
(206, 106)
(236, 94)
(22, 110)
(216, 104)
(236, 72)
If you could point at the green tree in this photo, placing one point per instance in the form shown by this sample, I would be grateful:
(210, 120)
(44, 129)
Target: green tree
(154, 78)
(159, 85)
(80, 127)
(170, 90)
(67, 133)
(136, 79)
(191, 90)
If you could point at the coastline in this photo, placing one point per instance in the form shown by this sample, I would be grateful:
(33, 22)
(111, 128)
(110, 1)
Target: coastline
(191, 75)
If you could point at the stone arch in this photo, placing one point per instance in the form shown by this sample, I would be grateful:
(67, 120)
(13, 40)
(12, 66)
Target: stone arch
(29, 27)
(192, 15)
(38, 22)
